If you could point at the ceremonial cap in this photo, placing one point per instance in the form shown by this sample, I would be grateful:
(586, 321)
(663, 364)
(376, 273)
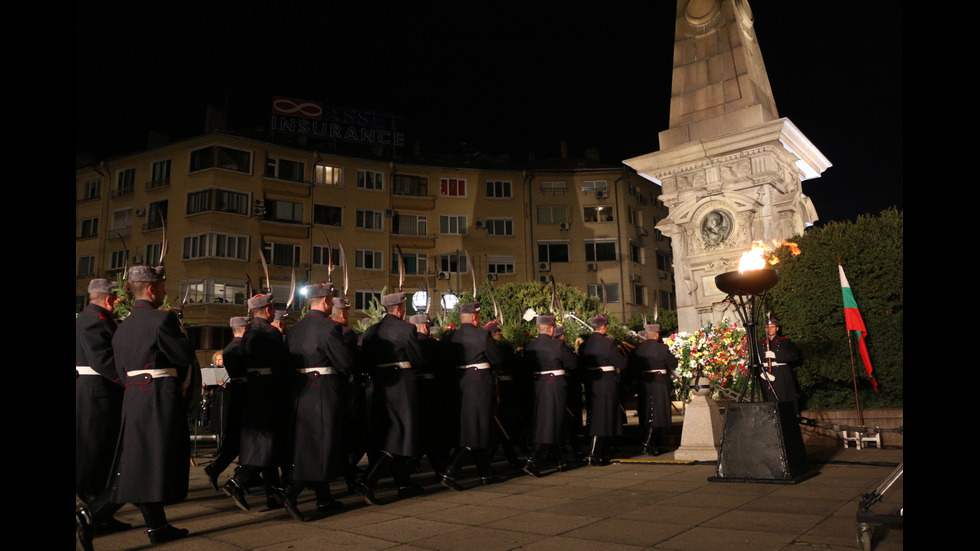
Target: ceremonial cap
(492, 326)
(419, 319)
(340, 303)
(469, 308)
(772, 321)
(393, 299)
(319, 290)
(260, 301)
(101, 285)
(146, 274)
(559, 331)
(545, 319)
(652, 328)
(238, 321)
(598, 321)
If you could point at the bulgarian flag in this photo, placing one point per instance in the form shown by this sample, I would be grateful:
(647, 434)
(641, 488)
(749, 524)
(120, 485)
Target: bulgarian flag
(855, 325)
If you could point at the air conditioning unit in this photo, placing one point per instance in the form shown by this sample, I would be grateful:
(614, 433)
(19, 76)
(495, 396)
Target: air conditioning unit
(479, 225)
(635, 278)
(641, 231)
(491, 277)
(140, 212)
(259, 208)
(544, 266)
(389, 213)
(564, 226)
(592, 267)
(137, 259)
(443, 275)
(601, 194)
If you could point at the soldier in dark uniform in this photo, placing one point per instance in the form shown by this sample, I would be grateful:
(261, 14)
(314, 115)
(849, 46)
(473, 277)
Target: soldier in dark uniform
(509, 422)
(601, 362)
(547, 360)
(232, 403)
(98, 404)
(472, 351)
(652, 364)
(153, 456)
(392, 350)
(575, 403)
(322, 361)
(355, 418)
(434, 388)
(264, 447)
(778, 353)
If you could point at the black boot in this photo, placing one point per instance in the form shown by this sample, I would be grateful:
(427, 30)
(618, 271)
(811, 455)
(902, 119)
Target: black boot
(595, 451)
(287, 494)
(529, 466)
(166, 533)
(406, 486)
(325, 503)
(483, 466)
(558, 454)
(370, 479)
(448, 478)
(233, 489)
(647, 441)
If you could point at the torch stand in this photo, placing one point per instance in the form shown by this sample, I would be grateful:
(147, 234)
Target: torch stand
(760, 441)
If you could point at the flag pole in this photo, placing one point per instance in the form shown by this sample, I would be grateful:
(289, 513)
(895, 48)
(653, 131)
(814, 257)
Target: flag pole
(850, 349)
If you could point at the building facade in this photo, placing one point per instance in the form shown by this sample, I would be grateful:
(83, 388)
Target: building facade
(208, 205)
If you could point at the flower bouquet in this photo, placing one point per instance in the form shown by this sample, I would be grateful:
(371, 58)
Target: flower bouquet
(716, 351)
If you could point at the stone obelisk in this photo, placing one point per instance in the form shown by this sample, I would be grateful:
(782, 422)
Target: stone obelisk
(731, 171)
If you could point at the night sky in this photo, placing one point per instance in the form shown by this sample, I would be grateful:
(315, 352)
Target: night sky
(490, 77)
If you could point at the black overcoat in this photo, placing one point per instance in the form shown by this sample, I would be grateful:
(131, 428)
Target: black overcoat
(651, 364)
(474, 346)
(548, 417)
(597, 353)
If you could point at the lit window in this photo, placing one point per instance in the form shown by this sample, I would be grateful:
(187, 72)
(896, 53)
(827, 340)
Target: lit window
(326, 175)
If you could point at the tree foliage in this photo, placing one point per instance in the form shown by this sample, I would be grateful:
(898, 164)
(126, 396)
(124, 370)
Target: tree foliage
(808, 303)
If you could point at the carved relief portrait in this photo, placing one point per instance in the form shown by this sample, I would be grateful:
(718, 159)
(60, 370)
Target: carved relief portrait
(716, 226)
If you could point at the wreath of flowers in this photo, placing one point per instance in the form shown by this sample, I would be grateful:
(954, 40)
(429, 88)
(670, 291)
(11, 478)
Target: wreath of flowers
(719, 351)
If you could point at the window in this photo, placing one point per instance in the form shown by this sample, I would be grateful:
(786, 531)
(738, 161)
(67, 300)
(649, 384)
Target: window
(552, 252)
(667, 301)
(369, 179)
(86, 265)
(328, 215)
(92, 190)
(152, 256)
(454, 262)
(369, 219)
(281, 254)
(597, 187)
(408, 224)
(160, 174)
(367, 260)
(415, 263)
(500, 226)
(636, 252)
(639, 294)
(218, 200)
(611, 291)
(283, 211)
(552, 214)
(214, 291)
(90, 228)
(320, 255)
(633, 216)
(598, 214)
(211, 245)
(500, 264)
(326, 175)
(121, 222)
(452, 224)
(156, 215)
(218, 156)
(597, 251)
(453, 187)
(284, 169)
(553, 188)
(117, 259)
(663, 261)
(365, 299)
(499, 190)
(410, 185)
(125, 181)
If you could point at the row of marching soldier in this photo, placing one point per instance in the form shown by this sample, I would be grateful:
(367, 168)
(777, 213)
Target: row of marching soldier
(313, 400)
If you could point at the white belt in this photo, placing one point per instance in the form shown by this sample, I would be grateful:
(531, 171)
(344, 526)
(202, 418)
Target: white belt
(399, 365)
(483, 365)
(555, 372)
(260, 371)
(661, 371)
(319, 370)
(154, 373)
(604, 368)
(774, 364)
(85, 370)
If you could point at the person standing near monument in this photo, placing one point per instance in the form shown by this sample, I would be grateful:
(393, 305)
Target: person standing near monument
(777, 354)
(601, 362)
(153, 456)
(652, 364)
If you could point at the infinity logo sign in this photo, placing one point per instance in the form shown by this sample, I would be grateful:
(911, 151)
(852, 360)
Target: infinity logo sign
(303, 108)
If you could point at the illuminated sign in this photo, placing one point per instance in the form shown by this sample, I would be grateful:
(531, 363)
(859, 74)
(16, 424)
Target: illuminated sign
(312, 118)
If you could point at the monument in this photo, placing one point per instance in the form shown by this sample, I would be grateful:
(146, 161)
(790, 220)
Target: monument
(731, 169)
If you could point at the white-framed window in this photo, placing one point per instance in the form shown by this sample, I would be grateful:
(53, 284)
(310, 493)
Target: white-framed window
(326, 175)
(117, 259)
(125, 181)
(597, 213)
(595, 186)
(86, 265)
(320, 257)
(611, 291)
(283, 211)
(553, 188)
(217, 200)
(328, 215)
(219, 156)
(369, 219)
(152, 256)
(284, 169)
(214, 291)
(370, 179)
(600, 250)
(553, 251)
(92, 189)
(452, 224)
(500, 226)
(281, 254)
(452, 187)
(552, 214)
(409, 224)
(368, 259)
(501, 264)
(498, 189)
(415, 263)
(406, 184)
(452, 262)
(636, 252)
(639, 294)
(156, 214)
(211, 245)
(121, 222)
(89, 227)
(160, 174)
(365, 299)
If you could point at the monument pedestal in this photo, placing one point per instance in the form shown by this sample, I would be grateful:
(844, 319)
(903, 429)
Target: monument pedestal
(762, 442)
(701, 434)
